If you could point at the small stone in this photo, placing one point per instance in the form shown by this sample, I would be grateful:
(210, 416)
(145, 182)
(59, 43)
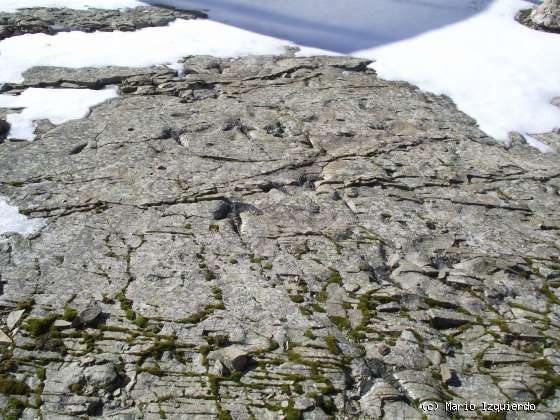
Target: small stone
(61, 324)
(383, 349)
(351, 287)
(443, 318)
(90, 314)
(516, 139)
(4, 339)
(335, 196)
(4, 128)
(302, 403)
(218, 369)
(389, 307)
(556, 101)
(447, 374)
(14, 318)
(235, 358)
(393, 260)
(352, 192)
(221, 210)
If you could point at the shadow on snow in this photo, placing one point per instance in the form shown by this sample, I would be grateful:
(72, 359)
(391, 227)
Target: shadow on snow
(341, 26)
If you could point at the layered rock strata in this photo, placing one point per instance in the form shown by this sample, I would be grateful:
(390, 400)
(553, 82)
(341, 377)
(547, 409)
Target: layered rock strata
(276, 237)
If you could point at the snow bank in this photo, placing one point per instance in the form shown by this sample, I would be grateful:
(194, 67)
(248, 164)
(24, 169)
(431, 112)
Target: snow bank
(12, 5)
(496, 70)
(12, 221)
(56, 105)
(145, 47)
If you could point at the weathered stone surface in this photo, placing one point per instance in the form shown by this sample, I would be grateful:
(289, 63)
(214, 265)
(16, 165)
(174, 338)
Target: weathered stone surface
(90, 77)
(89, 314)
(4, 339)
(359, 244)
(13, 318)
(545, 16)
(54, 20)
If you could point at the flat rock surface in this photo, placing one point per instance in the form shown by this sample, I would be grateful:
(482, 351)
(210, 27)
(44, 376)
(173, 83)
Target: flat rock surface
(50, 20)
(354, 237)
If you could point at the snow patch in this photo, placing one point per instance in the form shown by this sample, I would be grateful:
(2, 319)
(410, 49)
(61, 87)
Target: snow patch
(11, 221)
(496, 70)
(145, 47)
(56, 105)
(537, 144)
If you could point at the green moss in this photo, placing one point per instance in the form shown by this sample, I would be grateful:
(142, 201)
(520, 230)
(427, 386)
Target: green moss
(341, 322)
(9, 385)
(217, 293)
(326, 403)
(126, 305)
(224, 415)
(331, 344)
(501, 324)
(214, 383)
(334, 277)
(542, 364)
(273, 345)
(298, 389)
(297, 298)
(209, 275)
(76, 388)
(232, 260)
(152, 370)
(157, 349)
(39, 326)
(69, 313)
(305, 311)
(293, 414)
(214, 228)
(317, 308)
(294, 357)
(357, 334)
(309, 334)
(12, 410)
(41, 373)
(550, 295)
(322, 296)
(8, 365)
(140, 322)
(454, 342)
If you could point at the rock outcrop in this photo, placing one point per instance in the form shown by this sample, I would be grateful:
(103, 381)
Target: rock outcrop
(545, 16)
(277, 237)
(53, 20)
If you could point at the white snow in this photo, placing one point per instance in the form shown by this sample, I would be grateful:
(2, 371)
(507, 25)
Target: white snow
(537, 144)
(12, 5)
(145, 47)
(56, 105)
(12, 221)
(496, 70)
